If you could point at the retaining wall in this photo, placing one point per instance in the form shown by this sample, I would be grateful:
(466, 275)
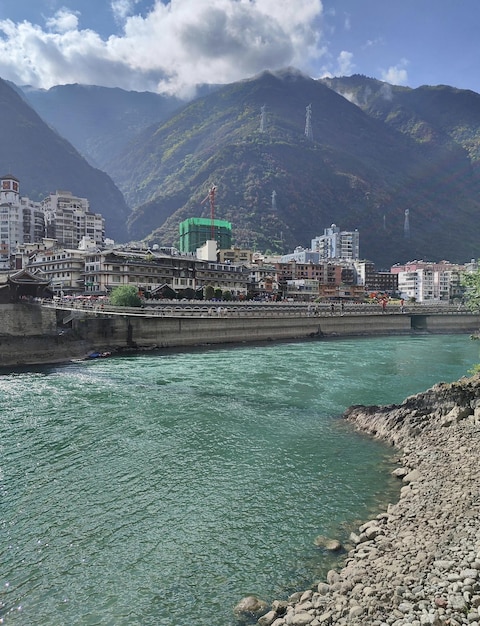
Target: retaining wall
(32, 334)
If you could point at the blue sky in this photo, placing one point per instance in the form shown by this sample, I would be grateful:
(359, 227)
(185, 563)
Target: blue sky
(168, 46)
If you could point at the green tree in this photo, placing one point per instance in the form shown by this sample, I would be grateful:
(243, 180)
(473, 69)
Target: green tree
(125, 295)
(209, 292)
(218, 293)
(471, 282)
(227, 295)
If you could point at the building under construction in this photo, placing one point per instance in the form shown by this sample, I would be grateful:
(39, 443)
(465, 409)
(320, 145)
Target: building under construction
(195, 231)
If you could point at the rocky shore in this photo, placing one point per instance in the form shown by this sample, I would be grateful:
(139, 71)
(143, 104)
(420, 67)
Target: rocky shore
(418, 563)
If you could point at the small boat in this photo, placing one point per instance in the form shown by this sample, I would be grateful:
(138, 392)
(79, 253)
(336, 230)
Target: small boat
(99, 355)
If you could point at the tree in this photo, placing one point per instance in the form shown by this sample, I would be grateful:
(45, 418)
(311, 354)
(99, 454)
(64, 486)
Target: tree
(125, 295)
(471, 282)
(209, 292)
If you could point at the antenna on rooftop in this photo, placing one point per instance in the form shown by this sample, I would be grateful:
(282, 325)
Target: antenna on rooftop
(308, 123)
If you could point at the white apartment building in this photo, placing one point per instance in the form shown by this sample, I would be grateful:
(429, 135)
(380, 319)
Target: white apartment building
(63, 267)
(429, 282)
(337, 244)
(60, 216)
(68, 220)
(21, 220)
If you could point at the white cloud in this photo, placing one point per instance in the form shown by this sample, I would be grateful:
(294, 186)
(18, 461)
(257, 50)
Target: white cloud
(345, 63)
(175, 46)
(396, 74)
(63, 21)
(122, 8)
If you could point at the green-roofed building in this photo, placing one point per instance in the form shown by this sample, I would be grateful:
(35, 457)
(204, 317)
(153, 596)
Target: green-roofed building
(195, 231)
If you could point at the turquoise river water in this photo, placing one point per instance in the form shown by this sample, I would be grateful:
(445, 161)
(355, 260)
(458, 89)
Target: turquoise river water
(159, 489)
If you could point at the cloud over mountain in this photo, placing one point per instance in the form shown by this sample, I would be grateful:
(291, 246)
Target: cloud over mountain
(168, 48)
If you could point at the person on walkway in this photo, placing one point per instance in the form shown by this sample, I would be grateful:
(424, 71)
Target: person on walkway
(384, 305)
(402, 306)
(332, 308)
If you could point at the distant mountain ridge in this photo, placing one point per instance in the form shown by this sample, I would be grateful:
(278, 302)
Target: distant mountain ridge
(99, 121)
(45, 162)
(377, 151)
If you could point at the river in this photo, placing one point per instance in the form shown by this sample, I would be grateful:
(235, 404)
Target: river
(159, 489)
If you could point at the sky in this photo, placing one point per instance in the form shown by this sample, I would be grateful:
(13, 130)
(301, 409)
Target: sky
(169, 46)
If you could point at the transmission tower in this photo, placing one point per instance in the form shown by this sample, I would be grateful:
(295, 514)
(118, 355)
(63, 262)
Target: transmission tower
(406, 225)
(263, 118)
(274, 200)
(308, 123)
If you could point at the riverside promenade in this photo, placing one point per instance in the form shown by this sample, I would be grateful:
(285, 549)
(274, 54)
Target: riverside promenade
(418, 562)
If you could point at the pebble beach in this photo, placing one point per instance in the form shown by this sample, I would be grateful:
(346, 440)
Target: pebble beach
(418, 562)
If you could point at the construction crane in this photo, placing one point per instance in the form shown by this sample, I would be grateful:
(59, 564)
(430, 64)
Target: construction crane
(211, 197)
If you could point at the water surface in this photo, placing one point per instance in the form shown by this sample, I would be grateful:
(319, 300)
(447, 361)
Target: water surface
(160, 489)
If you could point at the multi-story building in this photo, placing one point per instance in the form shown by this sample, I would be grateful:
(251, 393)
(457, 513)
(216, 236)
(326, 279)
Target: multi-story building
(429, 282)
(195, 231)
(151, 271)
(21, 220)
(69, 219)
(263, 281)
(301, 255)
(337, 244)
(374, 282)
(325, 274)
(235, 255)
(64, 268)
(60, 216)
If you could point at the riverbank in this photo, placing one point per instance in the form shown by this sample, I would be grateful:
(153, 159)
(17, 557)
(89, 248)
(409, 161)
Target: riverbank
(418, 562)
(34, 334)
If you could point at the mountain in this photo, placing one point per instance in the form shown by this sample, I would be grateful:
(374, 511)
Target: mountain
(44, 162)
(99, 121)
(440, 116)
(360, 170)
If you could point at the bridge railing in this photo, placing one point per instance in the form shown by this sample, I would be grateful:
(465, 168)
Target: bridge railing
(262, 309)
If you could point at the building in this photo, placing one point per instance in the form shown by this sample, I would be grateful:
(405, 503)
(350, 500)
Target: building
(21, 220)
(195, 231)
(294, 277)
(429, 282)
(235, 255)
(63, 268)
(22, 285)
(301, 255)
(375, 282)
(263, 281)
(337, 244)
(154, 272)
(68, 219)
(60, 216)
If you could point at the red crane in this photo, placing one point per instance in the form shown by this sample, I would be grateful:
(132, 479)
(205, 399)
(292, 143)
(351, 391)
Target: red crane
(211, 196)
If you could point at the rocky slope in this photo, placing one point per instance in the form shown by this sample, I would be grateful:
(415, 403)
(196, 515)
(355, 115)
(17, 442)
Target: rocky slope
(419, 562)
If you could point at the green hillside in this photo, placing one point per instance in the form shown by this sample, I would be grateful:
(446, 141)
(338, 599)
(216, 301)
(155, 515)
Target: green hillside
(361, 171)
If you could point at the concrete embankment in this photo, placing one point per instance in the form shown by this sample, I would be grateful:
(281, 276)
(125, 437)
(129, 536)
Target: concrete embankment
(32, 333)
(418, 562)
